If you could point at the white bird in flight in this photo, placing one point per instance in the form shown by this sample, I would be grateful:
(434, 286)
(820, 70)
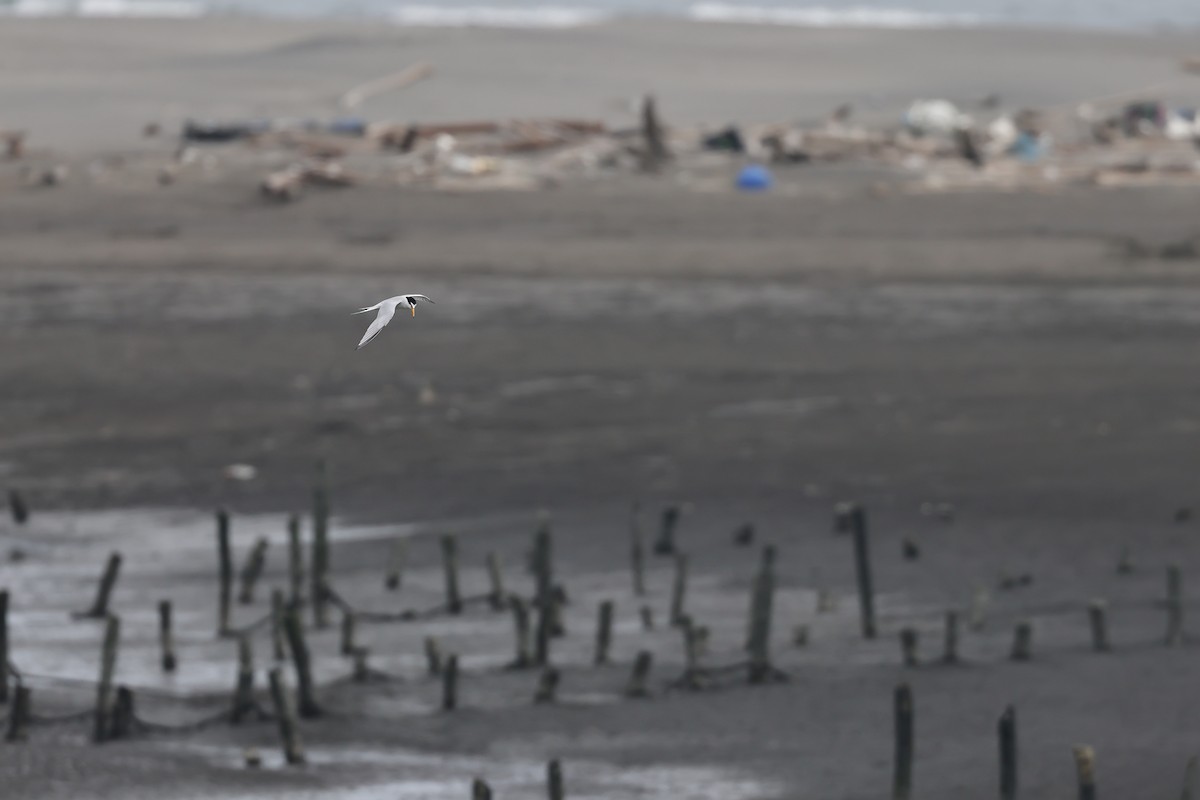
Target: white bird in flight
(387, 310)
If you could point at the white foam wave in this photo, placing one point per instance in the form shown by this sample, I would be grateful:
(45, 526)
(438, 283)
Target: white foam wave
(168, 9)
(823, 17)
(496, 16)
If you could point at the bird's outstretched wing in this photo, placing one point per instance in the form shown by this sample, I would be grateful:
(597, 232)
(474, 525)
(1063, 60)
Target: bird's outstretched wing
(384, 317)
(421, 297)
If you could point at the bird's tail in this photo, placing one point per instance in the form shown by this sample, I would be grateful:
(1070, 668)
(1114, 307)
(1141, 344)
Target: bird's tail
(362, 310)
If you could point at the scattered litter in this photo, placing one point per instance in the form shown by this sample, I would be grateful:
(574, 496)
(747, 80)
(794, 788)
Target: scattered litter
(754, 178)
(935, 117)
(241, 472)
(728, 140)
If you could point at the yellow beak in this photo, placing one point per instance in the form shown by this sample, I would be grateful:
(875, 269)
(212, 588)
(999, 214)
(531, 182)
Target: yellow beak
(414, 310)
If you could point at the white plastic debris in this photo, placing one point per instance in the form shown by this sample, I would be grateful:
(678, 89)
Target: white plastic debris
(241, 472)
(935, 116)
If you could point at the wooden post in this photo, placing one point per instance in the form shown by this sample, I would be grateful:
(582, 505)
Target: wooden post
(3, 646)
(862, 567)
(278, 609)
(166, 637)
(637, 679)
(1022, 649)
(397, 558)
(637, 551)
(951, 654)
(603, 631)
(362, 672)
(902, 779)
(252, 570)
(433, 656)
(320, 552)
(520, 612)
(108, 663)
(656, 148)
(1174, 606)
(17, 507)
(108, 580)
(543, 575)
(18, 716)
(647, 614)
(761, 609)
(908, 647)
(1085, 770)
(665, 545)
(295, 561)
(450, 684)
(293, 750)
(450, 565)
(679, 589)
(1099, 625)
(480, 790)
(547, 689)
(554, 780)
(691, 654)
(348, 624)
(225, 572)
(121, 726)
(843, 517)
(1008, 754)
(497, 597)
(243, 693)
(300, 659)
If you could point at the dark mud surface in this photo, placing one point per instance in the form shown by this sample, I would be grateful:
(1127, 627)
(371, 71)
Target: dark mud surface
(759, 358)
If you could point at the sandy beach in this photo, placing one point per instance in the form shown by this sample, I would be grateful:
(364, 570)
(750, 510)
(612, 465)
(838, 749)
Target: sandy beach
(1024, 359)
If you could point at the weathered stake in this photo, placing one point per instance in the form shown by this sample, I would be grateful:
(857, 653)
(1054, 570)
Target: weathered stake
(397, 558)
(497, 596)
(950, 653)
(1022, 649)
(348, 625)
(17, 507)
(1099, 625)
(433, 656)
(252, 570)
(480, 790)
(108, 580)
(862, 567)
(908, 647)
(1007, 729)
(300, 659)
(295, 561)
(544, 599)
(647, 615)
(108, 663)
(637, 679)
(450, 565)
(123, 717)
(1174, 606)
(243, 693)
(520, 611)
(18, 716)
(547, 690)
(320, 552)
(652, 133)
(679, 589)
(3, 647)
(665, 545)
(293, 750)
(1085, 770)
(554, 780)
(761, 610)
(362, 672)
(902, 779)
(225, 572)
(450, 684)
(278, 609)
(603, 631)
(166, 637)
(637, 551)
